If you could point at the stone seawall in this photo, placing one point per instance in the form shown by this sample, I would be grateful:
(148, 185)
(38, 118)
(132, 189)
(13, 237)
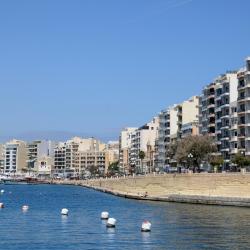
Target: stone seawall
(217, 189)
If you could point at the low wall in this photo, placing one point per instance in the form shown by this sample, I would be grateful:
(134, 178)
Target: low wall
(222, 189)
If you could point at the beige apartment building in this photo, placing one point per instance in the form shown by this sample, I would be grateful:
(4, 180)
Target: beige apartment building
(175, 122)
(15, 157)
(45, 166)
(82, 157)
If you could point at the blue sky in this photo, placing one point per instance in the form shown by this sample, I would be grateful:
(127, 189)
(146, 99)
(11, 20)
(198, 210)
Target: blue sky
(93, 67)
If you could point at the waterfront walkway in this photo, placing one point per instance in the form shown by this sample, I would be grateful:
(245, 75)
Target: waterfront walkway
(215, 189)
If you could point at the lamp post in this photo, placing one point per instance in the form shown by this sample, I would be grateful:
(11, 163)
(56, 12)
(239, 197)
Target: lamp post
(190, 157)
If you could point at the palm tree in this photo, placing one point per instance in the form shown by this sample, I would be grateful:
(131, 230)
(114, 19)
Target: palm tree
(141, 156)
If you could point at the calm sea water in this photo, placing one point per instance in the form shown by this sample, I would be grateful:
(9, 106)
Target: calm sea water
(174, 226)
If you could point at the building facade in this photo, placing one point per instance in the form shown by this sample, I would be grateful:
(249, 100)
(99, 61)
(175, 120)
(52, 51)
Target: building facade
(225, 112)
(125, 142)
(79, 157)
(143, 139)
(243, 105)
(15, 157)
(175, 123)
(36, 150)
(207, 111)
(2, 158)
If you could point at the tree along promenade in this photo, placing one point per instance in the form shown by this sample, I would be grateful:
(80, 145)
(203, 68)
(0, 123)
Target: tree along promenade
(203, 188)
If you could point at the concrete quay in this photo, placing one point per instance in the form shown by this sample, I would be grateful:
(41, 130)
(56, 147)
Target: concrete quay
(231, 189)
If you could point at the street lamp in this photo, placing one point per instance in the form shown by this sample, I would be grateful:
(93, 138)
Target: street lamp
(190, 157)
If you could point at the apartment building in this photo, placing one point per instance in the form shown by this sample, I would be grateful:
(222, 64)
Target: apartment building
(45, 166)
(143, 139)
(168, 129)
(36, 150)
(225, 112)
(176, 122)
(233, 129)
(207, 111)
(15, 157)
(125, 142)
(112, 149)
(60, 157)
(2, 157)
(91, 163)
(188, 117)
(79, 155)
(243, 105)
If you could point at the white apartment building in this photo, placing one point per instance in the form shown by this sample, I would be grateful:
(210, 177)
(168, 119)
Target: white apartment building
(15, 157)
(168, 128)
(125, 142)
(2, 157)
(143, 139)
(225, 112)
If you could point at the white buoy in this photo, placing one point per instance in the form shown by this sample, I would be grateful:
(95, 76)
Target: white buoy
(146, 226)
(2, 191)
(1, 205)
(64, 211)
(104, 215)
(25, 208)
(111, 222)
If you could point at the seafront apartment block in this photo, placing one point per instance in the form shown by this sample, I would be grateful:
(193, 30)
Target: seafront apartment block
(36, 150)
(225, 114)
(2, 157)
(243, 105)
(15, 157)
(207, 110)
(80, 157)
(175, 123)
(125, 141)
(168, 128)
(143, 139)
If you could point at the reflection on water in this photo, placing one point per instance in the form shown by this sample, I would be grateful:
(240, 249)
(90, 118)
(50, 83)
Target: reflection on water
(174, 226)
(64, 219)
(146, 237)
(104, 222)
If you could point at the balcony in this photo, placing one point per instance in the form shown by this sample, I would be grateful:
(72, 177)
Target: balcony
(242, 135)
(234, 138)
(225, 93)
(211, 115)
(234, 151)
(243, 98)
(225, 149)
(210, 105)
(225, 126)
(241, 74)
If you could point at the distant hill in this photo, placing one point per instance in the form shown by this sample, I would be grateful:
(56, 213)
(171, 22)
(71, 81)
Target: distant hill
(55, 136)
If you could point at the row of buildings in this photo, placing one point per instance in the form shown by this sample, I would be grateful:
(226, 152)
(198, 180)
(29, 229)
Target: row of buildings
(222, 111)
(77, 157)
